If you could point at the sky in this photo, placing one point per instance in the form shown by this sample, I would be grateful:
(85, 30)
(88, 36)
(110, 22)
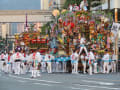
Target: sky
(19, 4)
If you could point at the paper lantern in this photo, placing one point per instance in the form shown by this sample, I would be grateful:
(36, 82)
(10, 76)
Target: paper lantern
(56, 12)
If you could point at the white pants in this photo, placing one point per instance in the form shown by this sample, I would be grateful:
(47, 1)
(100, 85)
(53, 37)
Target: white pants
(17, 68)
(76, 67)
(83, 48)
(113, 66)
(84, 66)
(35, 72)
(90, 69)
(64, 66)
(106, 66)
(23, 68)
(95, 67)
(8, 68)
(43, 66)
(57, 66)
(49, 67)
(3, 67)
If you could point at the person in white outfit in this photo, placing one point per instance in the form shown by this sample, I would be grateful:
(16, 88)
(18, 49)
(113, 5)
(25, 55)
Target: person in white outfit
(91, 58)
(48, 59)
(8, 63)
(3, 63)
(114, 59)
(17, 58)
(83, 5)
(82, 45)
(70, 8)
(84, 60)
(95, 62)
(106, 59)
(35, 59)
(75, 58)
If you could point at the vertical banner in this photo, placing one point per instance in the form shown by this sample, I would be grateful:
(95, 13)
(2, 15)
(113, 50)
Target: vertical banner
(115, 28)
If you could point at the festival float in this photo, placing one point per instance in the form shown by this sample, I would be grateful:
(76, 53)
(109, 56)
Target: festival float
(69, 27)
(64, 33)
(32, 40)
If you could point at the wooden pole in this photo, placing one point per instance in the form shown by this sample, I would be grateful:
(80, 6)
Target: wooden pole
(116, 39)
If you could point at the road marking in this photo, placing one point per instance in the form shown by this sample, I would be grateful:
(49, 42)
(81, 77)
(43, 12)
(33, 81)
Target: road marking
(97, 87)
(97, 82)
(21, 81)
(78, 88)
(35, 79)
(42, 84)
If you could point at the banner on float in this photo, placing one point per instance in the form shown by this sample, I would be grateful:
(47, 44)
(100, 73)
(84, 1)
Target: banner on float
(115, 28)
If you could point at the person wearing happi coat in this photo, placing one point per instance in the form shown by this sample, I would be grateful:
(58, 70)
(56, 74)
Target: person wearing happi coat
(35, 58)
(95, 62)
(83, 5)
(91, 59)
(17, 58)
(75, 59)
(82, 45)
(84, 60)
(48, 59)
(114, 61)
(106, 59)
(3, 63)
(70, 8)
(8, 63)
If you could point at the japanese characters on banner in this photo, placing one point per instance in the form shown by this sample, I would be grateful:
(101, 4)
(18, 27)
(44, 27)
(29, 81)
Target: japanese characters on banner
(115, 28)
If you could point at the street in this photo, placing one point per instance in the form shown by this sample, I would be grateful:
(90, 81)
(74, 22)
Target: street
(60, 81)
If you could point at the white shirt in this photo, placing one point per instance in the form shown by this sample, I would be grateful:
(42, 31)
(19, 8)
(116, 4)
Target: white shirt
(75, 56)
(35, 56)
(17, 55)
(91, 56)
(106, 57)
(82, 57)
(82, 4)
(70, 8)
(49, 57)
(114, 57)
(2, 56)
(82, 40)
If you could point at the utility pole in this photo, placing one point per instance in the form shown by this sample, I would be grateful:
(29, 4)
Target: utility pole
(108, 4)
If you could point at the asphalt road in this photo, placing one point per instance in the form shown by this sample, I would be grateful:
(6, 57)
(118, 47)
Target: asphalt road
(60, 81)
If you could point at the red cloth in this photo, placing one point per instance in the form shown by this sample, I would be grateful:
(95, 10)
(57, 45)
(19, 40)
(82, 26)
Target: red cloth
(8, 58)
(72, 25)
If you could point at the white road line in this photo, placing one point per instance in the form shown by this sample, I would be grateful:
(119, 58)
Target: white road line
(42, 84)
(35, 79)
(97, 87)
(97, 82)
(78, 88)
(21, 81)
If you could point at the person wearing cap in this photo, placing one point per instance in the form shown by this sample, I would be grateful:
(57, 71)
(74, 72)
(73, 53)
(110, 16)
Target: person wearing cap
(91, 58)
(17, 58)
(106, 59)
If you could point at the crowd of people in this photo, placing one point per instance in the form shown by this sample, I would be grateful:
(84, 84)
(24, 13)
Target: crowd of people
(18, 62)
